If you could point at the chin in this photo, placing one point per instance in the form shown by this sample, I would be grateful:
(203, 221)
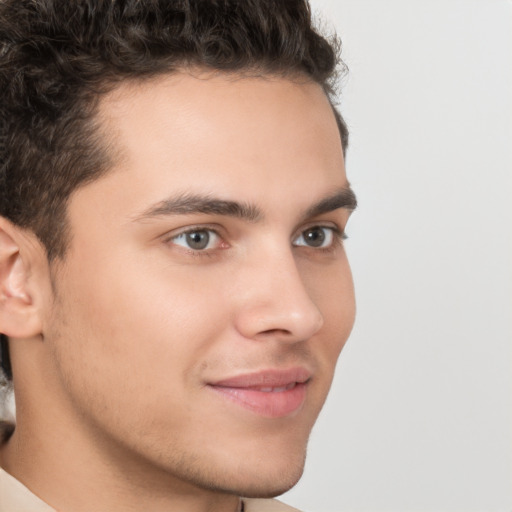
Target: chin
(267, 482)
(256, 466)
(270, 490)
(252, 479)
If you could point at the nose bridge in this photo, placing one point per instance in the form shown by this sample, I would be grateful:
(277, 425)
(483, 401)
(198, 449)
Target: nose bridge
(276, 300)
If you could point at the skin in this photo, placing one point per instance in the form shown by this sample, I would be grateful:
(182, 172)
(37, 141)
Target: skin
(121, 338)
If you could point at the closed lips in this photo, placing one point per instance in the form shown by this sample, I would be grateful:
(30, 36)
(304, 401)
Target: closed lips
(270, 393)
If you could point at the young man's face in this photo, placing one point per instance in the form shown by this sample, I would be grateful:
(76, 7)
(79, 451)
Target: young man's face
(206, 293)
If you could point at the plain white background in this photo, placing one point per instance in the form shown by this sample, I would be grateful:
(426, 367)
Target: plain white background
(419, 418)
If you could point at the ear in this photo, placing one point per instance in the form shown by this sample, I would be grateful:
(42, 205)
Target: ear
(19, 317)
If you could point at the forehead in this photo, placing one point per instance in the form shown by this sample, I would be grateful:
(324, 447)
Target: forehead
(239, 135)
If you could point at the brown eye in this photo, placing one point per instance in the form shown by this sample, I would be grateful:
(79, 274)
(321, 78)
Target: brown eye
(314, 237)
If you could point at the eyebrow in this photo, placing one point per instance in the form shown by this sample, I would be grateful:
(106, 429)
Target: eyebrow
(343, 198)
(189, 204)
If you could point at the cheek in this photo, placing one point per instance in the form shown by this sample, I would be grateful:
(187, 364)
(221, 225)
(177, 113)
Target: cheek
(128, 348)
(136, 327)
(332, 290)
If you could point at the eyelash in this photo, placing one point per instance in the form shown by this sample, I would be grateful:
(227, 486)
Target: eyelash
(194, 229)
(338, 237)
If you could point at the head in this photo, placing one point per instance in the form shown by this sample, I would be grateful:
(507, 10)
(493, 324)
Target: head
(168, 170)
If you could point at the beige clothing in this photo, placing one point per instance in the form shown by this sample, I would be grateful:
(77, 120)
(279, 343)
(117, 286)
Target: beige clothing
(15, 497)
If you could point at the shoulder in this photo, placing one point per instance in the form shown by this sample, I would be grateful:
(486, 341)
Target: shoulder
(254, 505)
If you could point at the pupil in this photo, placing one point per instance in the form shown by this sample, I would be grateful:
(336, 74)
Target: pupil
(198, 239)
(315, 237)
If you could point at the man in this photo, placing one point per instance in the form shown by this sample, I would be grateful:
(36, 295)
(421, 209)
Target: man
(174, 287)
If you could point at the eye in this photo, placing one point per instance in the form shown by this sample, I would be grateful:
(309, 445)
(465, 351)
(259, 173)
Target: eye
(197, 239)
(317, 237)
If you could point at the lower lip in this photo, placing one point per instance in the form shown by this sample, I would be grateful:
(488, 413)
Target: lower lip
(271, 404)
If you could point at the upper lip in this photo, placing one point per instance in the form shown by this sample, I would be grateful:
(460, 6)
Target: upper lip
(273, 377)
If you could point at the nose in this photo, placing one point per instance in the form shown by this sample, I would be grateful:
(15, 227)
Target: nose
(274, 302)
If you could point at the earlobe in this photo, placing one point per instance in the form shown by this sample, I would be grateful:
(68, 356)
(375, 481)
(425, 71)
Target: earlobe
(18, 315)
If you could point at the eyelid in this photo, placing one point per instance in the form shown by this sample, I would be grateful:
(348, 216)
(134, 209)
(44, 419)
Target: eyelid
(191, 228)
(337, 230)
(170, 236)
(338, 235)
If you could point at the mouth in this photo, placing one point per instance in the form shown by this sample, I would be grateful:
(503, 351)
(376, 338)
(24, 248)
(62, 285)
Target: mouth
(270, 393)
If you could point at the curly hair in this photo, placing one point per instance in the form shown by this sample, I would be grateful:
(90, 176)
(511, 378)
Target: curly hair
(59, 57)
